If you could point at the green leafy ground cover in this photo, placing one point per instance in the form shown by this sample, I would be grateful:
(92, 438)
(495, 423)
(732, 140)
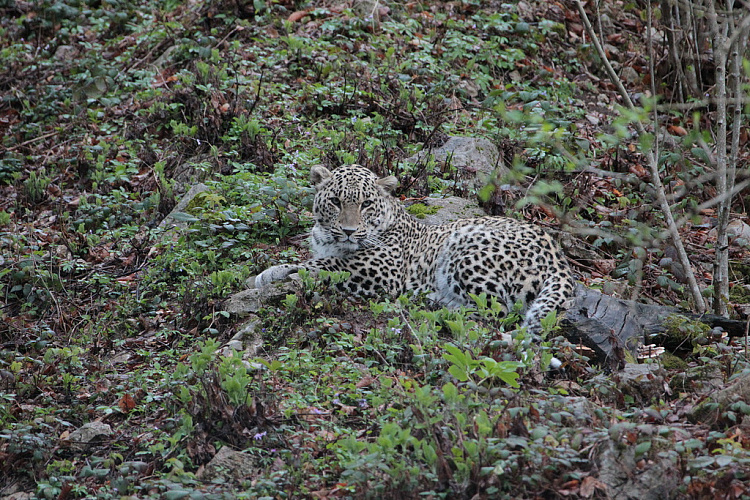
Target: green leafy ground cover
(111, 109)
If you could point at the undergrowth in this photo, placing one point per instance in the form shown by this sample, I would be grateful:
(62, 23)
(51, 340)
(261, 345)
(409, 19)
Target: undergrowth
(112, 111)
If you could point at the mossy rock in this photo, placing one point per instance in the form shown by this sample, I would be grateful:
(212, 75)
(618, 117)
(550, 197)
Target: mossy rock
(420, 210)
(672, 362)
(739, 294)
(680, 329)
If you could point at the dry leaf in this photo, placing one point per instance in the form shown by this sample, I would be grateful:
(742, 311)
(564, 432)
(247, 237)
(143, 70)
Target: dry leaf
(296, 16)
(365, 381)
(677, 130)
(589, 485)
(638, 169)
(126, 403)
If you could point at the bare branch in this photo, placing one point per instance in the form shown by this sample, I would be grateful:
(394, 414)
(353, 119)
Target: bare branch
(654, 168)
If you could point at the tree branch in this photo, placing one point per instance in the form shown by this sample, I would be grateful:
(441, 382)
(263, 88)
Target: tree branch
(654, 168)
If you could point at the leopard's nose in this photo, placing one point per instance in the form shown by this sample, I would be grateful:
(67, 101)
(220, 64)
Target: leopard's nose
(349, 231)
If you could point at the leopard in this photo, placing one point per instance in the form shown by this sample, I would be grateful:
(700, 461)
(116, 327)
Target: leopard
(361, 228)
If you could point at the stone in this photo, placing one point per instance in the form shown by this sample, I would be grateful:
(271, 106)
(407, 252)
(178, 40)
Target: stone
(229, 464)
(246, 341)
(710, 410)
(628, 477)
(738, 233)
(86, 435)
(613, 53)
(133, 467)
(468, 87)
(172, 225)
(253, 299)
(630, 75)
(450, 209)
(172, 221)
(65, 52)
(643, 382)
(476, 158)
(573, 246)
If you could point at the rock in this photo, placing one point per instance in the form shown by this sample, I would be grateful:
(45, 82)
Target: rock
(245, 302)
(450, 208)
(172, 224)
(644, 383)
(612, 52)
(234, 345)
(83, 437)
(525, 10)
(133, 466)
(592, 118)
(229, 464)
(172, 221)
(630, 75)
(468, 87)
(474, 157)
(710, 410)
(19, 495)
(671, 262)
(253, 299)
(246, 341)
(65, 53)
(165, 58)
(251, 339)
(656, 35)
(737, 231)
(573, 246)
(631, 477)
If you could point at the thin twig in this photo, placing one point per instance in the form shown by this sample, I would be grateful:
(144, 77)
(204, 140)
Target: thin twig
(654, 167)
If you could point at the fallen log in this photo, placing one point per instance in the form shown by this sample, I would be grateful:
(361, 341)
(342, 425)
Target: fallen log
(610, 326)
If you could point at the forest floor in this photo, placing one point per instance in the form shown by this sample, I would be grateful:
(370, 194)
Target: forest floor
(113, 380)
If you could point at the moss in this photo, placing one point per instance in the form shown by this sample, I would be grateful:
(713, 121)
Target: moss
(419, 210)
(741, 271)
(672, 362)
(681, 329)
(739, 295)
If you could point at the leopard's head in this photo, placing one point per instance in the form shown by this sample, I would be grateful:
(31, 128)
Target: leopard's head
(352, 208)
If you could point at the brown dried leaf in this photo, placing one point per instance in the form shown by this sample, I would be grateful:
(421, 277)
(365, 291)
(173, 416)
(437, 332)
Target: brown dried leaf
(365, 381)
(677, 130)
(126, 403)
(589, 485)
(638, 169)
(296, 16)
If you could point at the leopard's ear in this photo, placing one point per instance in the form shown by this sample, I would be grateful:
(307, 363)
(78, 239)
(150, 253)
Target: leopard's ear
(388, 183)
(319, 176)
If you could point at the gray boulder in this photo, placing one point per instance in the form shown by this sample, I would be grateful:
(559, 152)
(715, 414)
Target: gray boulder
(475, 158)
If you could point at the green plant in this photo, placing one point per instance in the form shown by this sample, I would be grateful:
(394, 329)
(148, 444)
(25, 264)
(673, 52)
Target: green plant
(477, 373)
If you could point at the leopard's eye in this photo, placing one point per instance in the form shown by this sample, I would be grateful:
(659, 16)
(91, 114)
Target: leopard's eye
(366, 203)
(336, 202)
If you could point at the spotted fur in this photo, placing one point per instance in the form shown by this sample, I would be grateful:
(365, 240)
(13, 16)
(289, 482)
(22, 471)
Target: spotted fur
(361, 228)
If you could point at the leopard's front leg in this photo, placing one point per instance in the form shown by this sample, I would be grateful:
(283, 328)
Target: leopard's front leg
(369, 276)
(276, 273)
